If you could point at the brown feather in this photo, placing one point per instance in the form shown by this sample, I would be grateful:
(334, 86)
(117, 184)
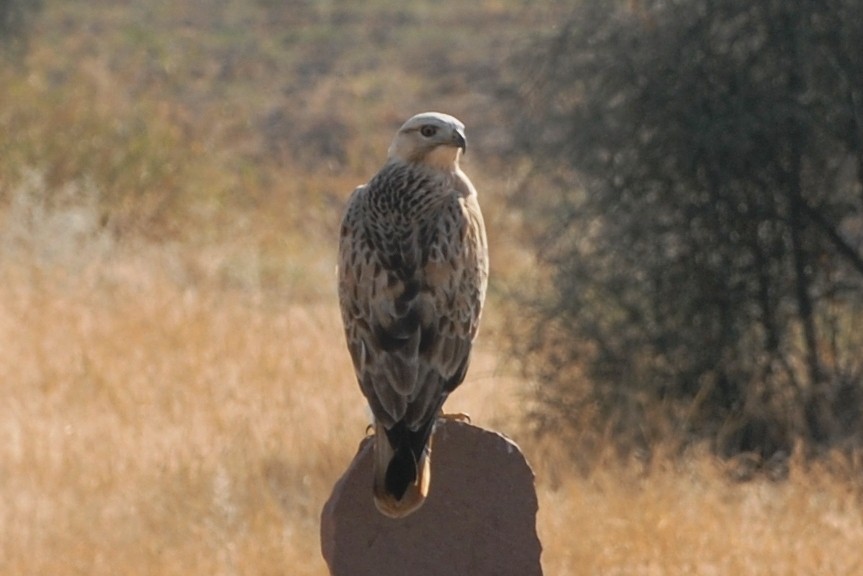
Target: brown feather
(413, 270)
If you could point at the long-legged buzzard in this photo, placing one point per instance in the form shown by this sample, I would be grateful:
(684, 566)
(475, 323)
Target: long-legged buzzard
(413, 270)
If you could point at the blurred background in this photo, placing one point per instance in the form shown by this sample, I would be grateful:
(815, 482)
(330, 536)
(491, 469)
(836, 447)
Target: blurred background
(673, 192)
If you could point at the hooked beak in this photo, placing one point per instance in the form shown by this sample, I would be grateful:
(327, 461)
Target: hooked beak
(458, 140)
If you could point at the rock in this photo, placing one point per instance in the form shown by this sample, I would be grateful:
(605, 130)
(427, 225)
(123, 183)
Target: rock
(479, 518)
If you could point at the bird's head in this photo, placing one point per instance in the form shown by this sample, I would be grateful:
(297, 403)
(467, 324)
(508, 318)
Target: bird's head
(430, 138)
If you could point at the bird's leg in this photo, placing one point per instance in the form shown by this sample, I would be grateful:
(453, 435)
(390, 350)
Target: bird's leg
(462, 417)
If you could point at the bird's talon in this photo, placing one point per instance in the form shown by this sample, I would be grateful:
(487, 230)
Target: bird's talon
(456, 417)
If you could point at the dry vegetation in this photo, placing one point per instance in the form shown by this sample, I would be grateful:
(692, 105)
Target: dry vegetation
(156, 426)
(176, 395)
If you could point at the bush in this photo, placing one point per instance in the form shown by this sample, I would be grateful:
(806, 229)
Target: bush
(705, 245)
(15, 16)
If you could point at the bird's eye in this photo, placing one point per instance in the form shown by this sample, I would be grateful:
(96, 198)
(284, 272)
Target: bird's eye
(428, 130)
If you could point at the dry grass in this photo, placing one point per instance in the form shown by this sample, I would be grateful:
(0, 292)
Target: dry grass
(156, 426)
(695, 521)
(154, 429)
(153, 425)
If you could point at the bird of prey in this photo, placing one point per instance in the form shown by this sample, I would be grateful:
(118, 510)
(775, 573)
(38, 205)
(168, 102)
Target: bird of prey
(413, 270)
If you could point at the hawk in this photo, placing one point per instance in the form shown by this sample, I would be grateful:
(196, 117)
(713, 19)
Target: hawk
(413, 271)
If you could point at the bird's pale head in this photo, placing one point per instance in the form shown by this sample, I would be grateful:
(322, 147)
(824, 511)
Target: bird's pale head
(430, 138)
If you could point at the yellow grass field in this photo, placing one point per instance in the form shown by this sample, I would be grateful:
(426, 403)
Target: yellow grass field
(155, 421)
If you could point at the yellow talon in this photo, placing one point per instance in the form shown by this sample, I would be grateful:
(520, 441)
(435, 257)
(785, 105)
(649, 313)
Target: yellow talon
(455, 416)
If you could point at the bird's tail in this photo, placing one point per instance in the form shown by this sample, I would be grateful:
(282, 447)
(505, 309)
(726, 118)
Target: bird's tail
(402, 468)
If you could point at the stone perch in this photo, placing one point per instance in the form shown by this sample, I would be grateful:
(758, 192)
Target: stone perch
(479, 518)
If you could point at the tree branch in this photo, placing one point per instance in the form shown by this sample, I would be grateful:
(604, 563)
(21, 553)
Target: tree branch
(842, 247)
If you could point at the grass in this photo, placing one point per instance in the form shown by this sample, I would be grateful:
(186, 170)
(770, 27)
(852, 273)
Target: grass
(156, 427)
(153, 426)
(162, 429)
(177, 398)
(694, 520)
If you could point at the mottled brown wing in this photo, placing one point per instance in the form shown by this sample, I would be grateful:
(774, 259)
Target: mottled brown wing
(367, 295)
(410, 318)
